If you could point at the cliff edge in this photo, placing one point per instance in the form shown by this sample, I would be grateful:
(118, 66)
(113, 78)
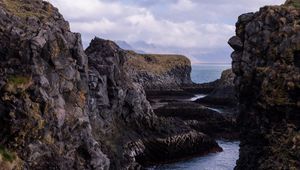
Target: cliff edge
(65, 108)
(157, 72)
(266, 62)
(44, 118)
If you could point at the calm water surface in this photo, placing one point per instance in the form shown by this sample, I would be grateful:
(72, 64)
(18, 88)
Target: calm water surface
(203, 73)
(225, 160)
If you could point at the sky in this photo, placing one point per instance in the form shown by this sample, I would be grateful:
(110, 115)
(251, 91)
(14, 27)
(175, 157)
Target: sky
(198, 29)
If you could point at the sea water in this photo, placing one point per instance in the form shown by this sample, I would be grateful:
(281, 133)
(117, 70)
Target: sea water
(226, 160)
(203, 73)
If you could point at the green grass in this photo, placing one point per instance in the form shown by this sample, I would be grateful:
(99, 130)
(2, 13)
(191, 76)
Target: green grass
(156, 63)
(294, 3)
(25, 10)
(7, 156)
(17, 83)
(18, 80)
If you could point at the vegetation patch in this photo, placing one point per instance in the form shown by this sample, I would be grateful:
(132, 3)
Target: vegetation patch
(294, 3)
(6, 155)
(156, 63)
(17, 83)
(18, 80)
(23, 9)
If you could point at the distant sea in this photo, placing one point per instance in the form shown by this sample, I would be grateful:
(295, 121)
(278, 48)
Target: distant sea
(203, 73)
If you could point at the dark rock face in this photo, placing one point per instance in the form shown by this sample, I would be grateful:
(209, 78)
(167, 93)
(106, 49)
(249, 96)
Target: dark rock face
(204, 88)
(56, 112)
(268, 85)
(223, 93)
(159, 72)
(44, 121)
(218, 124)
(122, 118)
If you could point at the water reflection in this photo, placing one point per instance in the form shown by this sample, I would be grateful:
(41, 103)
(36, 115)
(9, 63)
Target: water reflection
(225, 160)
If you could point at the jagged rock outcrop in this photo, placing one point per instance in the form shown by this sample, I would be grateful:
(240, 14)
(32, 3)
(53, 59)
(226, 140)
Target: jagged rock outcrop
(213, 122)
(266, 63)
(56, 112)
(123, 120)
(223, 93)
(44, 121)
(159, 72)
(164, 75)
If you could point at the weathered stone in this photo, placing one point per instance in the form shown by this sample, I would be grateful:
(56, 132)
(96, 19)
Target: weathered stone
(37, 117)
(128, 121)
(224, 93)
(236, 43)
(246, 17)
(267, 83)
(159, 72)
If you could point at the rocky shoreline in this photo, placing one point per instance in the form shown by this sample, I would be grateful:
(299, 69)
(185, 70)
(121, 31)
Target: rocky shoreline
(213, 118)
(65, 108)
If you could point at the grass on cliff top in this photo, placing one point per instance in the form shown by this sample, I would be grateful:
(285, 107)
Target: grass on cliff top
(24, 9)
(6, 155)
(294, 3)
(156, 63)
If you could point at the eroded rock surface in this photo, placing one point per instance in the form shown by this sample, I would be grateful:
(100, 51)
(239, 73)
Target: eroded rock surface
(56, 112)
(44, 117)
(218, 123)
(159, 72)
(123, 119)
(223, 92)
(266, 63)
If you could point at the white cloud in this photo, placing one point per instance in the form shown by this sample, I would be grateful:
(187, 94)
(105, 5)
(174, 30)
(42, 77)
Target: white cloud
(103, 25)
(191, 27)
(183, 5)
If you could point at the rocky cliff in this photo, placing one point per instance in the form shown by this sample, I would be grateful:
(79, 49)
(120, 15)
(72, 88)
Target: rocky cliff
(123, 120)
(59, 112)
(159, 72)
(44, 118)
(266, 63)
(223, 93)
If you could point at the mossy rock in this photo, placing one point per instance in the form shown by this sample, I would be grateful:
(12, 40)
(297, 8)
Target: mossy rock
(23, 9)
(6, 155)
(156, 63)
(9, 160)
(17, 83)
(294, 3)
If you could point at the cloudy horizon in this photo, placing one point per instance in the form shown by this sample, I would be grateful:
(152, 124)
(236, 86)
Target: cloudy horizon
(197, 29)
